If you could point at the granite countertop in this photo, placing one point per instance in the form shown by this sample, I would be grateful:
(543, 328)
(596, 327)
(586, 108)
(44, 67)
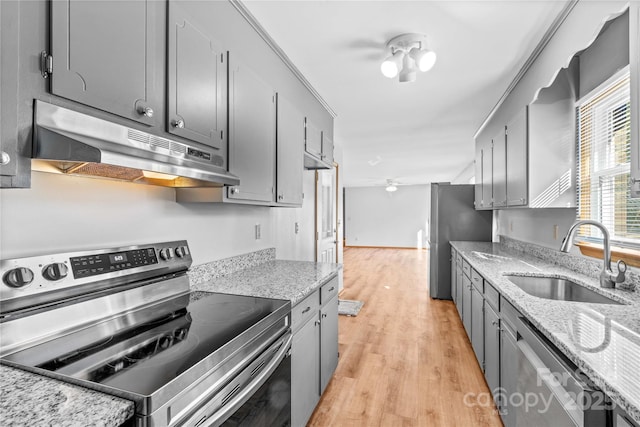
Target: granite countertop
(27, 399)
(603, 340)
(278, 279)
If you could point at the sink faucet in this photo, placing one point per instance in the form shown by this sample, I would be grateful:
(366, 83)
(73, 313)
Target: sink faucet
(608, 278)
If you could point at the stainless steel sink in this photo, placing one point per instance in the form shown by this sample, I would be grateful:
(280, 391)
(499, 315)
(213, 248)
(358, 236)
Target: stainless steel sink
(558, 289)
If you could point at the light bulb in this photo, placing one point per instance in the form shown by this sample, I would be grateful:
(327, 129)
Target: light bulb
(391, 188)
(391, 66)
(425, 59)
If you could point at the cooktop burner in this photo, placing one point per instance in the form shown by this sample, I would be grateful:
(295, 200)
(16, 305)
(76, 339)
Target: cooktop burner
(168, 346)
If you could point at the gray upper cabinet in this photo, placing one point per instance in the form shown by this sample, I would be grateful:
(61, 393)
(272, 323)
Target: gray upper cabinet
(327, 148)
(252, 133)
(102, 55)
(197, 81)
(318, 146)
(499, 170)
(484, 181)
(290, 151)
(517, 159)
(552, 141)
(312, 139)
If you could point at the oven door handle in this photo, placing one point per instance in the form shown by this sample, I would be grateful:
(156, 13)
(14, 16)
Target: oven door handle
(245, 394)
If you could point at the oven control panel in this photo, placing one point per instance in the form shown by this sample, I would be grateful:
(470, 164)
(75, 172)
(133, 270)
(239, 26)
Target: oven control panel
(92, 265)
(32, 280)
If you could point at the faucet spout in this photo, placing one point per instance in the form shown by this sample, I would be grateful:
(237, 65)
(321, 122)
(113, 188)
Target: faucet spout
(608, 278)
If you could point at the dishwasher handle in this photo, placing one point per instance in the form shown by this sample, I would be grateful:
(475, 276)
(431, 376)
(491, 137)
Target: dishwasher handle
(550, 381)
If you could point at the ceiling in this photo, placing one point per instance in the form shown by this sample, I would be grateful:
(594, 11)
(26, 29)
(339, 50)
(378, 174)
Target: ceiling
(412, 133)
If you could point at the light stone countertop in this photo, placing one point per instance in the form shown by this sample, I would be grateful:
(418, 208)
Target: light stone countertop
(603, 340)
(278, 279)
(28, 399)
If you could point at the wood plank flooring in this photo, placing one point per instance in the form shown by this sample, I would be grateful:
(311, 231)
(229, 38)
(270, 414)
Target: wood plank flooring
(405, 359)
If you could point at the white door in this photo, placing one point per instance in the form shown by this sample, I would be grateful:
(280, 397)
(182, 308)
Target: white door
(326, 237)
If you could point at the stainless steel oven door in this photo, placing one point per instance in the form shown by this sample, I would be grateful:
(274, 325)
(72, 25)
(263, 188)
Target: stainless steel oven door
(259, 396)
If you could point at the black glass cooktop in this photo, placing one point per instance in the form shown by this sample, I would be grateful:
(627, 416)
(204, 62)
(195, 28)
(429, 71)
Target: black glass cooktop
(144, 357)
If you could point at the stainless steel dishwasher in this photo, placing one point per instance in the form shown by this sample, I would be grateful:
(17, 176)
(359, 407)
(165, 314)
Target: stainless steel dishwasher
(551, 390)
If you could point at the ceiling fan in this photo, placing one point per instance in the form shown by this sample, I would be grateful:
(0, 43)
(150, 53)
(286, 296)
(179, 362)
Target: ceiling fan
(392, 185)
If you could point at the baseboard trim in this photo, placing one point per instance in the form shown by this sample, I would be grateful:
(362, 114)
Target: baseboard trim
(386, 247)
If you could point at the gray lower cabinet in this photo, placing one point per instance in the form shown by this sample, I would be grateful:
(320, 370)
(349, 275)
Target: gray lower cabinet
(289, 152)
(454, 288)
(466, 303)
(196, 81)
(459, 286)
(491, 348)
(305, 376)
(102, 55)
(314, 351)
(508, 375)
(252, 133)
(328, 342)
(492, 333)
(477, 324)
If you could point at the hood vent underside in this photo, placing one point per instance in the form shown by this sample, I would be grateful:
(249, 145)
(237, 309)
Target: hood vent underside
(73, 143)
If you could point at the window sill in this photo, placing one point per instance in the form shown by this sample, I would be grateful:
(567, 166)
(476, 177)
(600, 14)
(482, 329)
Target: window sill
(630, 256)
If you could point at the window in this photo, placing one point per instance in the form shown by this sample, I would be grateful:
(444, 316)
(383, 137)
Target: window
(604, 163)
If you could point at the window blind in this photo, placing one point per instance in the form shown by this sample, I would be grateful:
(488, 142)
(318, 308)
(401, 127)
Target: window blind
(603, 119)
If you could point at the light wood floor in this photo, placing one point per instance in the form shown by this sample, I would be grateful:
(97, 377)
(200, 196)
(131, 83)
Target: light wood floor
(405, 359)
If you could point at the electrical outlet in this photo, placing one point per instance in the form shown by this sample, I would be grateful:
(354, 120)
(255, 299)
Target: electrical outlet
(510, 226)
(297, 228)
(257, 231)
(555, 231)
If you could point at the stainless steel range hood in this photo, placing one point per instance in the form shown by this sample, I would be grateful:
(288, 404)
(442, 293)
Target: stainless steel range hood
(65, 141)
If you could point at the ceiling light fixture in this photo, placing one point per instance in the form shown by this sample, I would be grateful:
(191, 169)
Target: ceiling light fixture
(408, 53)
(391, 188)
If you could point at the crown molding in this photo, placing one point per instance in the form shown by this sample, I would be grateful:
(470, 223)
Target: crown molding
(283, 56)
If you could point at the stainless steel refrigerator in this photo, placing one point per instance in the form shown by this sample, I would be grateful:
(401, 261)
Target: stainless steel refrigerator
(453, 217)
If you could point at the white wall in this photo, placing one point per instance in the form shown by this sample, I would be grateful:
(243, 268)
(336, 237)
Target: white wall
(535, 225)
(300, 246)
(64, 213)
(375, 217)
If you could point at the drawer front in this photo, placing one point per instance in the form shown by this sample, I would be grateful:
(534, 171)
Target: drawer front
(492, 296)
(304, 310)
(466, 268)
(510, 316)
(329, 290)
(477, 280)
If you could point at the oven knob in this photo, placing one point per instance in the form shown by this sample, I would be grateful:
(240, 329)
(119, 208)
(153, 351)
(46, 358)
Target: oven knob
(166, 254)
(181, 251)
(55, 271)
(18, 277)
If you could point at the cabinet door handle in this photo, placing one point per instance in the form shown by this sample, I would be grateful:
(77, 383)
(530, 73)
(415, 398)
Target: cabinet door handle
(306, 310)
(145, 111)
(317, 322)
(324, 315)
(332, 288)
(178, 124)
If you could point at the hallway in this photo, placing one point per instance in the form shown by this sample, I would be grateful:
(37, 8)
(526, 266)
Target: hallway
(405, 359)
